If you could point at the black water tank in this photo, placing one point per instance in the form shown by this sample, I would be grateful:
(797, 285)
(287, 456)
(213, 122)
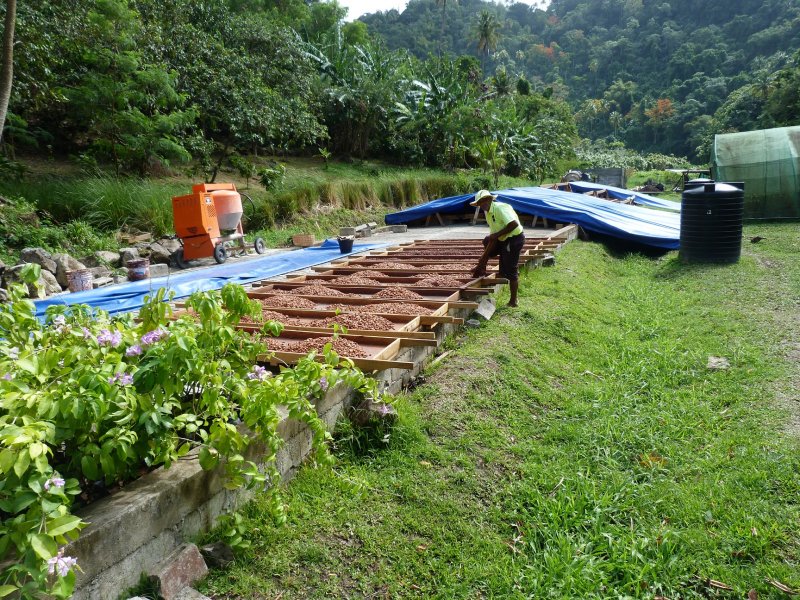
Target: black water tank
(711, 222)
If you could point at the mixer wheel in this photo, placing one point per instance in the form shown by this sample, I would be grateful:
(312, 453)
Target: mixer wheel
(220, 254)
(178, 260)
(259, 246)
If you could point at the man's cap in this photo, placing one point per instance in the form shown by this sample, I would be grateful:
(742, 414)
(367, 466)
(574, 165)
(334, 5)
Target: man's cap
(482, 195)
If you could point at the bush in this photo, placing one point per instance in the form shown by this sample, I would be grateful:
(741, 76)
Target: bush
(88, 400)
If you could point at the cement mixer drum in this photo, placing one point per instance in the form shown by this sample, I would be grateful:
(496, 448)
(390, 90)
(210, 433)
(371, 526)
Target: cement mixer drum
(228, 205)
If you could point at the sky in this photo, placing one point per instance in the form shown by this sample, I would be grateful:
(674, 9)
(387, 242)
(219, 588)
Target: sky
(360, 7)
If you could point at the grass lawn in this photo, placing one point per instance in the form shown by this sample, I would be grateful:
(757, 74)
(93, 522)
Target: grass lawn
(575, 447)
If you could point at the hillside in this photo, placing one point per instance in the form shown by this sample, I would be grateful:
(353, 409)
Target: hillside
(657, 75)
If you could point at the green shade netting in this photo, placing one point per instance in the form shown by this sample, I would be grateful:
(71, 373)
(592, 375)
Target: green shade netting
(768, 162)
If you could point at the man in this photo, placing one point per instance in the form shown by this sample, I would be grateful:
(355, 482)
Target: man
(505, 239)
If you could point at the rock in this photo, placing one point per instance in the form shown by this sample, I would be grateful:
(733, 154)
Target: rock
(2, 267)
(101, 281)
(718, 362)
(472, 323)
(485, 310)
(3, 296)
(399, 228)
(11, 275)
(126, 254)
(66, 264)
(39, 256)
(101, 272)
(50, 283)
(159, 254)
(102, 258)
(143, 248)
(218, 555)
(159, 270)
(372, 225)
(179, 570)
(170, 243)
(347, 231)
(189, 593)
(548, 260)
(372, 413)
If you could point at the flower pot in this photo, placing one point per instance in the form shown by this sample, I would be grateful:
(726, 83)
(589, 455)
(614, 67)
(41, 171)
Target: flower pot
(138, 269)
(80, 280)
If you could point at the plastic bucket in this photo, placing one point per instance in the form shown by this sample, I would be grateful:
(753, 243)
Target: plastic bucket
(345, 245)
(80, 280)
(138, 269)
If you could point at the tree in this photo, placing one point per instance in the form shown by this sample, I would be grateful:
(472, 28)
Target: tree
(130, 111)
(486, 30)
(443, 4)
(7, 72)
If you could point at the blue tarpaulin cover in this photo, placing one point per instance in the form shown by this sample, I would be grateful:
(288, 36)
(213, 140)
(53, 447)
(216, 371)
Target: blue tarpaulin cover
(128, 297)
(581, 187)
(656, 228)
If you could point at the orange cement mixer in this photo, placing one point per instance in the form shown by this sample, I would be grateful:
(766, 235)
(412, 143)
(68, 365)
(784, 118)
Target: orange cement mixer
(208, 219)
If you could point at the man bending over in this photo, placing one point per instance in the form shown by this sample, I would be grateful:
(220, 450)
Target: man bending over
(505, 240)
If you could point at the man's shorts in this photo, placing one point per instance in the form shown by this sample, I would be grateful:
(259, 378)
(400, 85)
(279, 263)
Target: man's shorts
(509, 251)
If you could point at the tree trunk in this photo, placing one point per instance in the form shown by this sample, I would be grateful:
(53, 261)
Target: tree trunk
(7, 73)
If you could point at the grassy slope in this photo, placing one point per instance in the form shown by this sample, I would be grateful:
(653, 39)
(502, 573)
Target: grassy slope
(576, 447)
(312, 199)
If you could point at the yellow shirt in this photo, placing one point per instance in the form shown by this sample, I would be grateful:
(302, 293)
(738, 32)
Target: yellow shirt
(499, 215)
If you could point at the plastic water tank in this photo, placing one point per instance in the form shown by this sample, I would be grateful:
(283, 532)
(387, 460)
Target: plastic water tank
(711, 222)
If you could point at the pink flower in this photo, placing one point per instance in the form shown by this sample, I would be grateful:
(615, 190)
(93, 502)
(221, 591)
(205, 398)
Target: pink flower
(122, 379)
(258, 373)
(134, 350)
(55, 481)
(323, 383)
(62, 564)
(8, 377)
(107, 338)
(151, 337)
(86, 333)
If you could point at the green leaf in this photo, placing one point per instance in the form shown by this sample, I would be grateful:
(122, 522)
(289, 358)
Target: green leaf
(89, 468)
(6, 589)
(44, 546)
(208, 459)
(62, 525)
(23, 461)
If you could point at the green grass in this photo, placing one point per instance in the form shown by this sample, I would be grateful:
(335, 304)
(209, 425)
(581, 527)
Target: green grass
(575, 447)
(312, 198)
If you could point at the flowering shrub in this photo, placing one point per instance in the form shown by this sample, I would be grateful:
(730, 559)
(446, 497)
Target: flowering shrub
(87, 400)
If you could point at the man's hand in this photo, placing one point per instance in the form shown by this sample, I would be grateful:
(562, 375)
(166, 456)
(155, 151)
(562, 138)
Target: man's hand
(480, 270)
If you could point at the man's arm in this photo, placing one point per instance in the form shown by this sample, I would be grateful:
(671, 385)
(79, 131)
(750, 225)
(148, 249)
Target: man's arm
(494, 238)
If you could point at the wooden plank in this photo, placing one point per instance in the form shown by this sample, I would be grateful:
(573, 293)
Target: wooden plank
(365, 364)
(382, 333)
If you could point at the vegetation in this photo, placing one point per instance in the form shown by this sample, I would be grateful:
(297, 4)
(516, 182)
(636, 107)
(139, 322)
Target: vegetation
(659, 76)
(144, 88)
(575, 447)
(87, 402)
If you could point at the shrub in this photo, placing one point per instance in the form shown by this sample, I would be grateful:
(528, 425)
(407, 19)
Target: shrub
(87, 400)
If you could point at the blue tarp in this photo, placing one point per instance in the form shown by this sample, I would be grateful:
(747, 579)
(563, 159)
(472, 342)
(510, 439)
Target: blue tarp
(128, 297)
(581, 187)
(657, 228)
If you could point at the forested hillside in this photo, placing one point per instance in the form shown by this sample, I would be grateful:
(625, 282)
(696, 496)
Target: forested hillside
(658, 75)
(143, 86)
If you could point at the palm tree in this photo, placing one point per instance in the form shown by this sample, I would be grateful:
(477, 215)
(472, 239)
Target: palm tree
(443, 4)
(7, 72)
(486, 29)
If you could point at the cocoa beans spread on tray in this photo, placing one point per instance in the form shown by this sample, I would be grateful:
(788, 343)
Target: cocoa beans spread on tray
(388, 308)
(341, 346)
(398, 292)
(440, 281)
(356, 321)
